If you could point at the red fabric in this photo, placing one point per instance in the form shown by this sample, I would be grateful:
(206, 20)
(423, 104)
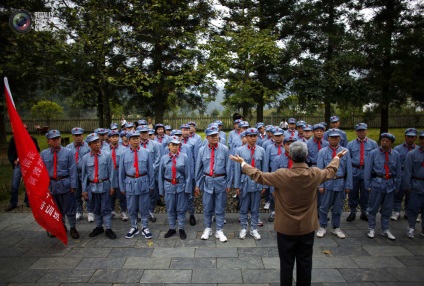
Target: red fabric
(212, 161)
(113, 156)
(292, 133)
(174, 168)
(145, 143)
(185, 140)
(76, 154)
(96, 168)
(35, 175)
(290, 164)
(54, 163)
(386, 165)
(361, 153)
(279, 149)
(319, 145)
(334, 151)
(252, 155)
(136, 163)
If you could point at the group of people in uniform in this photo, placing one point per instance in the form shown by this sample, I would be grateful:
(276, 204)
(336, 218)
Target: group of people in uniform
(143, 167)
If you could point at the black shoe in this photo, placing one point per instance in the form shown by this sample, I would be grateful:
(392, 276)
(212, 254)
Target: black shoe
(74, 233)
(110, 233)
(50, 235)
(152, 217)
(170, 233)
(183, 235)
(192, 220)
(364, 217)
(10, 207)
(160, 203)
(96, 231)
(405, 216)
(351, 217)
(27, 205)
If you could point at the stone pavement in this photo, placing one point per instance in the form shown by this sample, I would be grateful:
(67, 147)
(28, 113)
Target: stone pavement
(29, 257)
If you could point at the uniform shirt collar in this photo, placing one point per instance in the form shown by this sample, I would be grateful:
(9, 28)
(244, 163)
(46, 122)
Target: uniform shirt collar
(92, 154)
(382, 151)
(359, 140)
(52, 150)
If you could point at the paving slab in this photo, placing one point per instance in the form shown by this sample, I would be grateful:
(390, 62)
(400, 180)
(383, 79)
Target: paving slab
(56, 263)
(254, 276)
(240, 263)
(101, 263)
(28, 276)
(361, 275)
(216, 252)
(413, 261)
(67, 275)
(344, 251)
(88, 252)
(130, 252)
(408, 274)
(321, 275)
(258, 251)
(271, 262)
(193, 263)
(116, 276)
(166, 276)
(173, 252)
(217, 276)
(147, 263)
(13, 251)
(18, 263)
(377, 262)
(333, 262)
(387, 251)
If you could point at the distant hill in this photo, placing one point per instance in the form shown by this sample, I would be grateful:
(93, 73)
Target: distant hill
(217, 104)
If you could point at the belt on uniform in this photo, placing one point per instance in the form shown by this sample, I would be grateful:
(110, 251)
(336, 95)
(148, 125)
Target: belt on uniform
(339, 177)
(59, 178)
(172, 181)
(215, 175)
(358, 166)
(418, 179)
(133, 176)
(99, 181)
(374, 175)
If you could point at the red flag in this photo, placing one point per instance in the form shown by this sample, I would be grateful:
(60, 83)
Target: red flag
(35, 175)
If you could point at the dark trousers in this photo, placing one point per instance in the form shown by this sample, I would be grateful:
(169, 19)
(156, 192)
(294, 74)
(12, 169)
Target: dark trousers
(299, 247)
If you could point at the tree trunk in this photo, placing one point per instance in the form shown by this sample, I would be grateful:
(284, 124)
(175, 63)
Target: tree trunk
(387, 69)
(100, 110)
(327, 112)
(159, 106)
(107, 118)
(260, 110)
(384, 120)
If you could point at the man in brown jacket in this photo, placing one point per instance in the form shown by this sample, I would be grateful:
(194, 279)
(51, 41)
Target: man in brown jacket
(295, 209)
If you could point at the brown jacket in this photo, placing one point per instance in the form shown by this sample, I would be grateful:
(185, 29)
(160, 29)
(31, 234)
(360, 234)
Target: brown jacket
(295, 194)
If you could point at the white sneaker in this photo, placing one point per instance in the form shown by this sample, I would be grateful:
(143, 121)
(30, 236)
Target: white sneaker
(338, 232)
(418, 219)
(395, 216)
(78, 216)
(266, 206)
(243, 233)
(220, 234)
(410, 233)
(113, 214)
(255, 234)
(388, 234)
(371, 233)
(321, 232)
(124, 216)
(206, 233)
(90, 217)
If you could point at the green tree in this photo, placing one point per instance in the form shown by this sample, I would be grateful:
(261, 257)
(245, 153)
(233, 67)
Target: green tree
(167, 64)
(46, 110)
(25, 59)
(326, 34)
(246, 54)
(393, 45)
